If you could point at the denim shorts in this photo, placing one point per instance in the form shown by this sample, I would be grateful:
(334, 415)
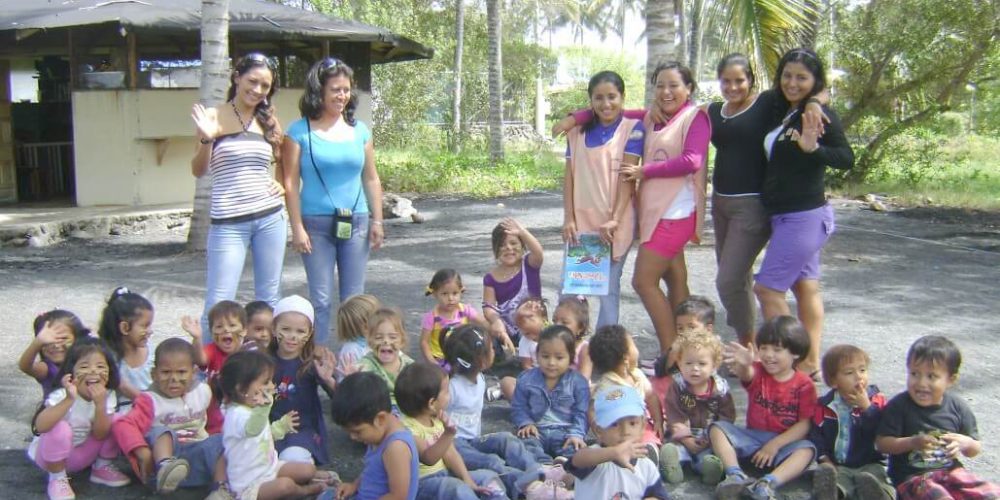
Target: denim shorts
(746, 442)
(200, 455)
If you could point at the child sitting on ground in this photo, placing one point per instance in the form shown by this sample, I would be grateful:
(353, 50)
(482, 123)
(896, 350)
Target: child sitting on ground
(516, 276)
(531, 316)
(55, 332)
(164, 435)
(925, 429)
(126, 325)
(618, 466)
(361, 405)
(550, 403)
(844, 430)
(780, 404)
(693, 399)
(449, 312)
(423, 395)
(260, 315)
(574, 313)
(695, 313)
(615, 358)
(387, 340)
(352, 330)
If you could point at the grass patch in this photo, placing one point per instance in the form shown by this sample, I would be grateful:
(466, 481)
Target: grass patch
(961, 172)
(439, 172)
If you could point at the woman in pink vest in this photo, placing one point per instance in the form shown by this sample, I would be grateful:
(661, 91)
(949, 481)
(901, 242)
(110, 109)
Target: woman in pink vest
(671, 196)
(595, 197)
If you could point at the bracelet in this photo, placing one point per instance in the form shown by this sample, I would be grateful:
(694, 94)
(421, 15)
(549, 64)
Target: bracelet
(813, 99)
(377, 222)
(206, 141)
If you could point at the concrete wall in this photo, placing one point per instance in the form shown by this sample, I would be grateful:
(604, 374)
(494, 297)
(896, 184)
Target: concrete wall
(115, 139)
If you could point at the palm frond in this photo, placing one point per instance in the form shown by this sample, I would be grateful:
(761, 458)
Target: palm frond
(762, 29)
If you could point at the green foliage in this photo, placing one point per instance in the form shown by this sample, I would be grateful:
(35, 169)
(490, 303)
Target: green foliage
(902, 70)
(435, 171)
(582, 63)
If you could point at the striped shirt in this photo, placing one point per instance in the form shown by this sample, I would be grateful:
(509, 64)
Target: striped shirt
(241, 180)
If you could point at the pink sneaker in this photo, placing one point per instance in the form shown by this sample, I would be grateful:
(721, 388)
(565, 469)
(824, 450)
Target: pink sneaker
(59, 489)
(548, 490)
(108, 475)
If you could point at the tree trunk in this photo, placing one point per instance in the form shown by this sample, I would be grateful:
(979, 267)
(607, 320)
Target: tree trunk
(494, 32)
(695, 39)
(214, 81)
(682, 30)
(456, 104)
(661, 38)
(539, 85)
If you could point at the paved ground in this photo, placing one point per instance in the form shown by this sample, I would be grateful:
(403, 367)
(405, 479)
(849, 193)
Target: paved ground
(889, 279)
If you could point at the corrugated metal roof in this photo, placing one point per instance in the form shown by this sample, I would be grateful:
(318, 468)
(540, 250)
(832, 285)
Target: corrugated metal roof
(269, 20)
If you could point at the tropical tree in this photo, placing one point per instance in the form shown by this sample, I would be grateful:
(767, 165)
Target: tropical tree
(495, 120)
(214, 79)
(456, 105)
(661, 37)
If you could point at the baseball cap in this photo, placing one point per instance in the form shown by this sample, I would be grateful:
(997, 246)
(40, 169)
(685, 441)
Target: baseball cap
(616, 402)
(294, 303)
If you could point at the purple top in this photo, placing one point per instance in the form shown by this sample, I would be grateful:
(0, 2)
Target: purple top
(508, 290)
(51, 380)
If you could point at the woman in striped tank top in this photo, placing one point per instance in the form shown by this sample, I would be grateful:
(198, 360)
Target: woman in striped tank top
(239, 139)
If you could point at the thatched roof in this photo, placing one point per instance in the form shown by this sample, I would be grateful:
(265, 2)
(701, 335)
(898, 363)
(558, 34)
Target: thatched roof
(249, 19)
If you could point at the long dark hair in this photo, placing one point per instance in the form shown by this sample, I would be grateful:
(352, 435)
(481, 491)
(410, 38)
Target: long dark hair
(599, 78)
(264, 112)
(311, 102)
(812, 62)
(123, 305)
(740, 60)
(686, 76)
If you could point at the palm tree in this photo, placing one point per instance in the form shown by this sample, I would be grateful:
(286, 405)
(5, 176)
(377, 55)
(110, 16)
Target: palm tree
(214, 79)
(495, 119)
(456, 103)
(661, 37)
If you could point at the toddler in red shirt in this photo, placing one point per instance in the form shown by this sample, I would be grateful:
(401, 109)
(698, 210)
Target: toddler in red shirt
(780, 404)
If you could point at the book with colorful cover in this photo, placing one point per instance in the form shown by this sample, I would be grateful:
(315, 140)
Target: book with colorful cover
(587, 266)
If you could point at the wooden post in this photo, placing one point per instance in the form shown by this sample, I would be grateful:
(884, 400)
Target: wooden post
(326, 49)
(282, 65)
(133, 61)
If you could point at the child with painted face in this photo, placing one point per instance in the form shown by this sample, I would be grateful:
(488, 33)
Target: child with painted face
(515, 277)
(449, 312)
(423, 394)
(469, 350)
(252, 464)
(228, 322)
(618, 466)
(693, 399)
(164, 435)
(616, 360)
(780, 407)
(551, 400)
(301, 369)
(387, 340)
(352, 331)
(55, 332)
(260, 321)
(73, 427)
(574, 313)
(927, 428)
(126, 325)
(844, 430)
(362, 406)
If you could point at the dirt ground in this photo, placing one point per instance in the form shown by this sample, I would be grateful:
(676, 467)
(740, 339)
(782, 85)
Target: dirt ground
(888, 279)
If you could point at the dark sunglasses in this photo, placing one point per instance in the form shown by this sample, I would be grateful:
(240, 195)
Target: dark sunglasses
(329, 62)
(255, 58)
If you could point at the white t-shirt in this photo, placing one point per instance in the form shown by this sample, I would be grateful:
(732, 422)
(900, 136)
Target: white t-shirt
(528, 348)
(250, 459)
(186, 415)
(80, 416)
(610, 481)
(466, 407)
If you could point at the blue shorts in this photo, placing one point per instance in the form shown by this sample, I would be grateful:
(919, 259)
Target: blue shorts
(746, 442)
(793, 253)
(200, 455)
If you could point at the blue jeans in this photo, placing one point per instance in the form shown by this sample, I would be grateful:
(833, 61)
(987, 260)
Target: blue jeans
(694, 460)
(227, 250)
(442, 485)
(746, 442)
(500, 452)
(349, 257)
(548, 444)
(201, 456)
